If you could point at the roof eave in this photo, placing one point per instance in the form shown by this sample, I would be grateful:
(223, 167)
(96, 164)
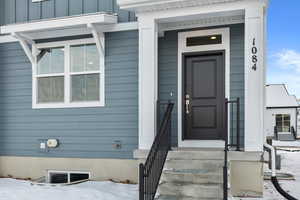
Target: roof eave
(154, 5)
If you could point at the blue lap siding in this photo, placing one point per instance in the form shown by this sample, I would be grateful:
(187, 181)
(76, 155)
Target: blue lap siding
(82, 132)
(91, 132)
(16, 11)
(168, 77)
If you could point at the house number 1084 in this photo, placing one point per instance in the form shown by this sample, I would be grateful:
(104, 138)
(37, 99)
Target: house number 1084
(254, 55)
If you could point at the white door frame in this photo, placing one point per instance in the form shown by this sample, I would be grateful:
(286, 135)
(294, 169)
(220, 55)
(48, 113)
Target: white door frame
(182, 48)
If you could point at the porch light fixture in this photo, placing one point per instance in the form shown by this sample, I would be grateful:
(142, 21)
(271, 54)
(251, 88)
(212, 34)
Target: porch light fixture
(213, 37)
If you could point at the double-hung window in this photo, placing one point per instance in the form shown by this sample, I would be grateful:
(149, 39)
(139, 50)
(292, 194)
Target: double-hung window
(68, 74)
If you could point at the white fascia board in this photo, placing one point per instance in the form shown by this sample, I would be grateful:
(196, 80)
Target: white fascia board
(187, 6)
(67, 32)
(132, 4)
(83, 30)
(7, 39)
(60, 23)
(208, 22)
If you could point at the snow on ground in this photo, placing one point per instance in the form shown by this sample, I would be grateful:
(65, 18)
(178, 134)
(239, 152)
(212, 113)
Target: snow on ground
(286, 143)
(11, 189)
(290, 163)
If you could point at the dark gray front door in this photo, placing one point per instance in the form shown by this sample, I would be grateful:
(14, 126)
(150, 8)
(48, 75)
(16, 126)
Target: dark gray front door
(204, 95)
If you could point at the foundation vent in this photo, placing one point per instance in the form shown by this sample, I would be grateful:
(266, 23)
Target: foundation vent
(61, 177)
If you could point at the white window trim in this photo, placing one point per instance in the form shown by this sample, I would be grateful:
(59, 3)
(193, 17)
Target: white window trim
(67, 87)
(182, 48)
(282, 119)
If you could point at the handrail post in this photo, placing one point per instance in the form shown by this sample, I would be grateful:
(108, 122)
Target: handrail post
(169, 135)
(157, 116)
(141, 182)
(226, 123)
(225, 168)
(170, 131)
(276, 132)
(238, 123)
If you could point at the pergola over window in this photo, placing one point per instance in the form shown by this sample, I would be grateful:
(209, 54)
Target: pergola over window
(67, 73)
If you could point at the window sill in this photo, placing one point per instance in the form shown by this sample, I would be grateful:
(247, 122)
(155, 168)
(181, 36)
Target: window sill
(69, 105)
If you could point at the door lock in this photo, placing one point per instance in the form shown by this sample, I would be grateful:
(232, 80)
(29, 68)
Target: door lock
(187, 104)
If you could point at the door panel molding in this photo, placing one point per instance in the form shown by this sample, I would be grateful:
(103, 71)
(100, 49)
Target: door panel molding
(207, 109)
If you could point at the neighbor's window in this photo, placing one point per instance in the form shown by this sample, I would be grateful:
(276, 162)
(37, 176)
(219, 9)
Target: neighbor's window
(283, 122)
(70, 75)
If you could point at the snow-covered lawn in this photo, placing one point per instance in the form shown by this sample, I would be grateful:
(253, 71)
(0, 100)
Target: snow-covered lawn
(11, 189)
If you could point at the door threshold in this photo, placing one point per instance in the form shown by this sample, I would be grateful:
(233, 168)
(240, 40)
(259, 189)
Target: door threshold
(197, 149)
(201, 143)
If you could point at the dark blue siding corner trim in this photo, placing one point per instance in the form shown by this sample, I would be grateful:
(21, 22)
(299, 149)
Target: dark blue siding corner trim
(82, 132)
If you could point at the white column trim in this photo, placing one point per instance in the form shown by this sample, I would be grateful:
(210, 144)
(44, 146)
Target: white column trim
(148, 86)
(254, 79)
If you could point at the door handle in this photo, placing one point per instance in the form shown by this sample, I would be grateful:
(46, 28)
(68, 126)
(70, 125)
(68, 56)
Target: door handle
(187, 104)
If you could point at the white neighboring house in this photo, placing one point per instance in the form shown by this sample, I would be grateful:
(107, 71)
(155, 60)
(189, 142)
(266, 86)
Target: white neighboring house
(281, 113)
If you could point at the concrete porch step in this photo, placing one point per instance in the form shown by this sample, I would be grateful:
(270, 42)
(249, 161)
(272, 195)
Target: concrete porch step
(210, 165)
(201, 176)
(183, 154)
(172, 197)
(190, 190)
(285, 137)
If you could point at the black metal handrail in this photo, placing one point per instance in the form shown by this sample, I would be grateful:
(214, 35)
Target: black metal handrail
(227, 145)
(237, 118)
(150, 172)
(276, 133)
(294, 133)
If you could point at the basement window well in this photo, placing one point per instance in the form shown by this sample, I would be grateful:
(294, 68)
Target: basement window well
(61, 177)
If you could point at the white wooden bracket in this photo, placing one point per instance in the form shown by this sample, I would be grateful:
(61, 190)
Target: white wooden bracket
(99, 38)
(25, 43)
